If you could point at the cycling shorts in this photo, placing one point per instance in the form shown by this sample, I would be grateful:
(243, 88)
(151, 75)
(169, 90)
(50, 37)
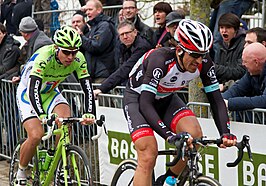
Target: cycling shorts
(170, 109)
(49, 101)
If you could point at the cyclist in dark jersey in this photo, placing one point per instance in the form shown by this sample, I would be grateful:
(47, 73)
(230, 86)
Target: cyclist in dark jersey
(38, 95)
(151, 105)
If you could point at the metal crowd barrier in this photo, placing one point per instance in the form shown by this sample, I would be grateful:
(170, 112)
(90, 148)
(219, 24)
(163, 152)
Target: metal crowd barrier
(255, 116)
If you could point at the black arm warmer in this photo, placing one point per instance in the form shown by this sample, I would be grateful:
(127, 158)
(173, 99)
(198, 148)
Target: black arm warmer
(34, 94)
(89, 97)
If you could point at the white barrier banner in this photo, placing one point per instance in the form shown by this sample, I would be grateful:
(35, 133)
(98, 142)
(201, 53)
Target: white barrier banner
(117, 146)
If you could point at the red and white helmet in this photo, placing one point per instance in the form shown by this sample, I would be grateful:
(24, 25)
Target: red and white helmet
(193, 36)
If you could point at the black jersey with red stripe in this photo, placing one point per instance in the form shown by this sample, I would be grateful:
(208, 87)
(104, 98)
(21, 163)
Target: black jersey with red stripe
(159, 73)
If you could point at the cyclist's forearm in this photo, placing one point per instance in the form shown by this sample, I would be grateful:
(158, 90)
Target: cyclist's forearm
(34, 95)
(89, 96)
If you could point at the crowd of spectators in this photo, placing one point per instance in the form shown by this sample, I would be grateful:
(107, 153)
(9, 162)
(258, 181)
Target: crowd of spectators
(112, 45)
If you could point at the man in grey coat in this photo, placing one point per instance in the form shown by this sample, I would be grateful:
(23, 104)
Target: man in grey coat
(35, 39)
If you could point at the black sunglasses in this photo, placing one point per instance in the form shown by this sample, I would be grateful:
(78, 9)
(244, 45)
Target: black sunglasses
(68, 52)
(194, 54)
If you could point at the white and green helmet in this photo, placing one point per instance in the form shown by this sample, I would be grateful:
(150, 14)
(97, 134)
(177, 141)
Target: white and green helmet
(67, 37)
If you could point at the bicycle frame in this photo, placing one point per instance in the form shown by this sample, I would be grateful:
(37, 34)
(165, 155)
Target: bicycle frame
(61, 149)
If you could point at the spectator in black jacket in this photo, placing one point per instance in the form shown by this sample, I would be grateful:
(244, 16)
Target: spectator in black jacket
(23, 8)
(160, 11)
(228, 62)
(132, 48)
(250, 91)
(98, 44)
(6, 16)
(130, 12)
(9, 54)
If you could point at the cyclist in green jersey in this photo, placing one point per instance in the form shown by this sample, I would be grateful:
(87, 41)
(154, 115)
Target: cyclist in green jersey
(38, 95)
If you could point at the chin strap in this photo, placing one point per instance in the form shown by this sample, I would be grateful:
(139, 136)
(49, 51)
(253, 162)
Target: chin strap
(181, 56)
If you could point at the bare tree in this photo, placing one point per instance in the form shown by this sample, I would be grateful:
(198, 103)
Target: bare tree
(199, 11)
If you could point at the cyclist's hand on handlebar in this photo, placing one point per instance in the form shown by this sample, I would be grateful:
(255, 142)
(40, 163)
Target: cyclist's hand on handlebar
(49, 119)
(228, 140)
(88, 119)
(177, 137)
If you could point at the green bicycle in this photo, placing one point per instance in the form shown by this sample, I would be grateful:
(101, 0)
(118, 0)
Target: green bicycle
(66, 165)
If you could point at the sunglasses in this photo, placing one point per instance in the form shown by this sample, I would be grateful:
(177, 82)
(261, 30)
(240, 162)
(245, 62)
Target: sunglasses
(195, 55)
(68, 52)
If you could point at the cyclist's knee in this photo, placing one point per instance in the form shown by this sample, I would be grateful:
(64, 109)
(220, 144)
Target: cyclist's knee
(36, 136)
(147, 152)
(191, 125)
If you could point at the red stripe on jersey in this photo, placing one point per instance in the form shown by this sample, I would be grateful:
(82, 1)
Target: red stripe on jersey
(148, 53)
(162, 89)
(142, 132)
(178, 116)
(171, 65)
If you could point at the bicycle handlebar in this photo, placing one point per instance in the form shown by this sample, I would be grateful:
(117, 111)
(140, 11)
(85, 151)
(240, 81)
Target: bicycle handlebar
(241, 145)
(181, 146)
(51, 125)
(101, 124)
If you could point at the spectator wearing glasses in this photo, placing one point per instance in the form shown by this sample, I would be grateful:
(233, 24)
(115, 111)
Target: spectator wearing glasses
(46, 69)
(228, 59)
(35, 39)
(256, 34)
(99, 43)
(132, 47)
(160, 11)
(130, 12)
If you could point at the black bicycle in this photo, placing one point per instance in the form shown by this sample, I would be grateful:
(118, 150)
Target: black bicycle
(190, 176)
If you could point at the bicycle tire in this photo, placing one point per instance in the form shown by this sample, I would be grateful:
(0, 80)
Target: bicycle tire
(128, 168)
(205, 181)
(14, 164)
(82, 162)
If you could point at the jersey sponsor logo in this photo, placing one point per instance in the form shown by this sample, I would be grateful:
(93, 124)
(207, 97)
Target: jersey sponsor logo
(161, 124)
(37, 97)
(173, 79)
(42, 65)
(87, 83)
(169, 61)
(49, 58)
(157, 73)
(28, 69)
(139, 74)
(32, 112)
(83, 65)
(129, 122)
(153, 82)
(77, 59)
(211, 74)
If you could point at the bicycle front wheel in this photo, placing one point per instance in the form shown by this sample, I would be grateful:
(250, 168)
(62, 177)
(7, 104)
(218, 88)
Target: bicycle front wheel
(205, 181)
(78, 168)
(124, 174)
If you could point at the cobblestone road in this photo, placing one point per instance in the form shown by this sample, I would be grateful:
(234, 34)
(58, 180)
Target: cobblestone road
(4, 170)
